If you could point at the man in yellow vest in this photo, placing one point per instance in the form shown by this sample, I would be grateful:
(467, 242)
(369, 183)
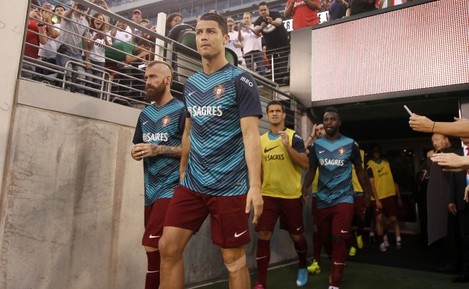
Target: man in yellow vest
(283, 161)
(384, 191)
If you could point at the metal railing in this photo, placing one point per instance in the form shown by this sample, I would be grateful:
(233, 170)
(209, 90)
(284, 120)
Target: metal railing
(123, 81)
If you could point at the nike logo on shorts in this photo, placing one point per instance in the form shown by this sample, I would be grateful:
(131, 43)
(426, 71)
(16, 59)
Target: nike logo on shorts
(337, 263)
(153, 236)
(236, 235)
(260, 258)
(343, 232)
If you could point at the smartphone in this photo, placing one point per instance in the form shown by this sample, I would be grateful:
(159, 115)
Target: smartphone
(408, 110)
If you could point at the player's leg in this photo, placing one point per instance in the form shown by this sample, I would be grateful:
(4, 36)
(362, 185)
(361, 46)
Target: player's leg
(342, 215)
(264, 228)
(154, 221)
(379, 227)
(230, 231)
(235, 262)
(315, 268)
(390, 209)
(186, 213)
(291, 219)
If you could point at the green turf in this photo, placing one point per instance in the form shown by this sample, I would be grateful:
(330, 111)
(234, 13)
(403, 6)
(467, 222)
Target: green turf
(358, 276)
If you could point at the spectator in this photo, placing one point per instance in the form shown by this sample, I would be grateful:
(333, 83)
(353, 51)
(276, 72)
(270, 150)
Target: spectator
(276, 40)
(48, 51)
(58, 13)
(122, 53)
(35, 35)
(74, 35)
(360, 6)
(99, 41)
(173, 20)
(252, 44)
(384, 191)
(234, 43)
(304, 12)
(136, 16)
(459, 207)
(458, 128)
(338, 9)
(121, 32)
(441, 224)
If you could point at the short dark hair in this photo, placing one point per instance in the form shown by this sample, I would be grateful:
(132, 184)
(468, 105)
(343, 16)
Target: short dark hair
(333, 110)
(35, 3)
(58, 6)
(171, 17)
(217, 18)
(274, 102)
(263, 3)
(156, 62)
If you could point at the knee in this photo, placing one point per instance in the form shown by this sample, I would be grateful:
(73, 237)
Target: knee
(234, 265)
(168, 249)
(264, 235)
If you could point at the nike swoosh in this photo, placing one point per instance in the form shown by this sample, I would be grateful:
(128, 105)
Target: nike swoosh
(260, 258)
(379, 171)
(321, 152)
(236, 235)
(153, 271)
(145, 122)
(153, 236)
(266, 150)
(299, 228)
(337, 263)
(343, 232)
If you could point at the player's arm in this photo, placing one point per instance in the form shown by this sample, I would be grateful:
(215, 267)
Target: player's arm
(296, 151)
(311, 172)
(186, 147)
(289, 9)
(374, 193)
(252, 147)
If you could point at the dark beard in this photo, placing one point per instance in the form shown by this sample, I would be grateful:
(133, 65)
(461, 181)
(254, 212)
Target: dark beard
(155, 93)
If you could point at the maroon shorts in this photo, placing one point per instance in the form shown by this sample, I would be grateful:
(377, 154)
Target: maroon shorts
(154, 221)
(335, 221)
(228, 219)
(389, 207)
(290, 212)
(359, 207)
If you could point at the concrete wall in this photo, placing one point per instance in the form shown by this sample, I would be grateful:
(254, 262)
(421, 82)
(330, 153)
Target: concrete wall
(73, 206)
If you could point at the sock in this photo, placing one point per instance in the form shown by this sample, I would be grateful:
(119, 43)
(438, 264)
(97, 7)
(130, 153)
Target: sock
(301, 248)
(152, 280)
(385, 238)
(398, 238)
(262, 259)
(338, 260)
(316, 248)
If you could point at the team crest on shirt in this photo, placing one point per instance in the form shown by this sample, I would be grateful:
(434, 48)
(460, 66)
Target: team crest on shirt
(341, 151)
(165, 121)
(218, 90)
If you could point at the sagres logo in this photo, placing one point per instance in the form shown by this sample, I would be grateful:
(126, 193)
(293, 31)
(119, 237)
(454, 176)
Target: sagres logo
(165, 121)
(218, 90)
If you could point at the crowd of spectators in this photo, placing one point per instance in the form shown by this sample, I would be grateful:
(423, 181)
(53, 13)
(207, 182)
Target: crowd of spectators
(89, 44)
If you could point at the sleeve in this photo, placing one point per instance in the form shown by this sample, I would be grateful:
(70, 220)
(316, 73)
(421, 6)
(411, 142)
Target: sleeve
(247, 97)
(355, 156)
(313, 159)
(182, 120)
(138, 135)
(184, 93)
(298, 144)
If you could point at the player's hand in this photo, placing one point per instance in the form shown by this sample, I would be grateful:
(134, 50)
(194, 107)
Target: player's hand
(378, 203)
(420, 123)
(284, 137)
(254, 197)
(142, 150)
(452, 208)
